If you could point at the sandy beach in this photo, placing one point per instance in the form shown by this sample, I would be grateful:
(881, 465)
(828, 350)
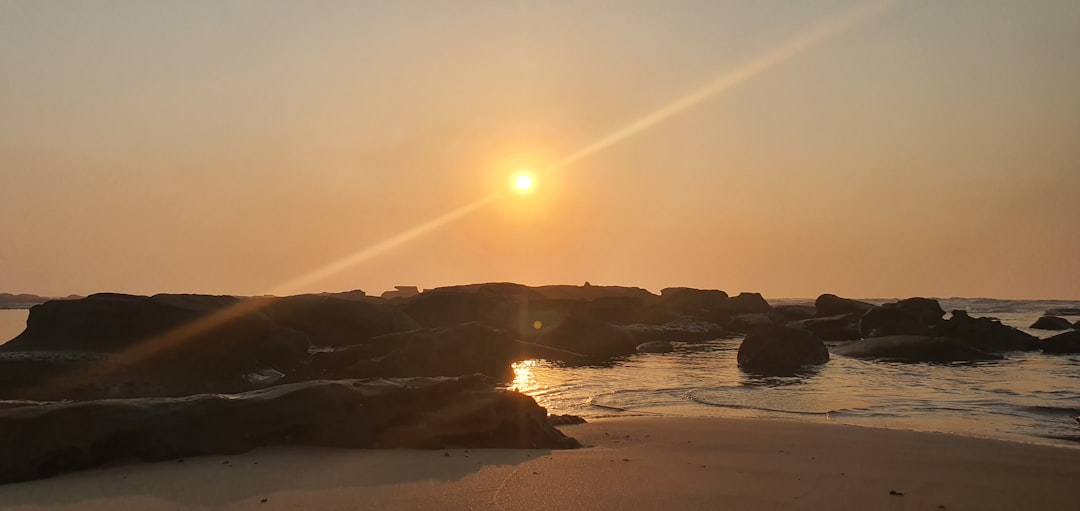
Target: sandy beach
(629, 463)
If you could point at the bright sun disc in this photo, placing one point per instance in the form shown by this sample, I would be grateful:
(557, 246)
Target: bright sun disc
(523, 182)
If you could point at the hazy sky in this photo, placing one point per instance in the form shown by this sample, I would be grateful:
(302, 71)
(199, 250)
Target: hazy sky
(929, 148)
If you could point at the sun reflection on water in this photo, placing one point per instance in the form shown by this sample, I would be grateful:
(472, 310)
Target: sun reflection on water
(524, 379)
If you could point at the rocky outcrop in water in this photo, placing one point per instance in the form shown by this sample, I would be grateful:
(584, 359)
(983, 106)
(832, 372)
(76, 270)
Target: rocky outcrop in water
(987, 334)
(594, 339)
(781, 351)
(1063, 343)
(1051, 323)
(911, 316)
(41, 441)
(914, 348)
(843, 327)
(832, 305)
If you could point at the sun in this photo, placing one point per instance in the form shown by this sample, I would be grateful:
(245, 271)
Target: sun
(523, 181)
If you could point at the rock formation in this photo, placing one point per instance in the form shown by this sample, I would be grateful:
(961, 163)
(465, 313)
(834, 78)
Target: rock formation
(41, 441)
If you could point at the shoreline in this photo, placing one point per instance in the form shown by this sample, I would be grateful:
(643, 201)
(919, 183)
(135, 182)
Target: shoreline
(1068, 443)
(628, 463)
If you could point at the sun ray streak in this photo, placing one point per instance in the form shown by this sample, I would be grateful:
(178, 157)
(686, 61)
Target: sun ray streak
(831, 28)
(364, 254)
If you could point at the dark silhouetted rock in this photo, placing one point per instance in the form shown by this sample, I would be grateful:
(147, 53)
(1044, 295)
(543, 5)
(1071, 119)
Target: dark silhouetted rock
(173, 345)
(1052, 323)
(698, 303)
(565, 419)
(987, 334)
(655, 347)
(499, 305)
(914, 348)
(595, 339)
(779, 350)
(796, 312)
(1067, 342)
(458, 350)
(683, 329)
(42, 441)
(911, 316)
(1063, 311)
(746, 303)
(745, 323)
(330, 321)
(832, 305)
(844, 327)
(452, 351)
(400, 292)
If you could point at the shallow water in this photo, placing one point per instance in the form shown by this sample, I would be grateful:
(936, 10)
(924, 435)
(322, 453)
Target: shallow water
(1028, 397)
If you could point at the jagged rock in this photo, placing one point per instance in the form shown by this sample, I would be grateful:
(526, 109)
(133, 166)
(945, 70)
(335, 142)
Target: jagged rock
(914, 348)
(911, 316)
(42, 441)
(592, 338)
(986, 334)
(844, 327)
(655, 347)
(1051, 323)
(746, 303)
(683, 329)
(1067, 342)
(779, 350)
(831, 305)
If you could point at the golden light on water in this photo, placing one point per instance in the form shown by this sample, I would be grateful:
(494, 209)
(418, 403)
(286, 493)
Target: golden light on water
(524, 379)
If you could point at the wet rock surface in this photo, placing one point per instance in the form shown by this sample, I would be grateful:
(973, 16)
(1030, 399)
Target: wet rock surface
(427, 413)
(1052, 323)
(914, 348)
(1067, 342)
(781, 351)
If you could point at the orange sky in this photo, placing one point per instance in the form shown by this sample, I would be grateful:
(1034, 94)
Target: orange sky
(923, 148)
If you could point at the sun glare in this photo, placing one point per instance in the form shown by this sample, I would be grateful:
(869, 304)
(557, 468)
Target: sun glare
(523, 181)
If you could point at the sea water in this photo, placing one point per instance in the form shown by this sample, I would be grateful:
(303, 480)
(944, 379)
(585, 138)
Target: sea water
(1027, 397)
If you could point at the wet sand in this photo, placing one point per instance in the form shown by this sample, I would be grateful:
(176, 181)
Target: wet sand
(630, 463)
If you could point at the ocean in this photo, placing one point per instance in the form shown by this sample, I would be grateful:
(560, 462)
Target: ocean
(1029, 397)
